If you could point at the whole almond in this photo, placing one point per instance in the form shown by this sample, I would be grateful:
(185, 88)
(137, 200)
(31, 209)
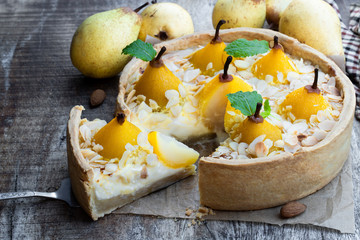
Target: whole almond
(292, 209)
(97, 97)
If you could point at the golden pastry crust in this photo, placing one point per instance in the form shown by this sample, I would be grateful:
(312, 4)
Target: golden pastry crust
(81, 175)
(269, 181)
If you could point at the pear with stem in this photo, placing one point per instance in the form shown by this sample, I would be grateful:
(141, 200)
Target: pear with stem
(115, 135)
(156, 80)
(273, 63)
(305, 101)
(212, 98)
(210, 58)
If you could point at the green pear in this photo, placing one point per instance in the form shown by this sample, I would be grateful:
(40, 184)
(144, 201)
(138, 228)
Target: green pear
(240, 13)
(274, 9)
(315, 23)
(98, 42)
(165, 21)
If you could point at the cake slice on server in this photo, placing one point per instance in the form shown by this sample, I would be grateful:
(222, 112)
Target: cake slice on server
(116, 163)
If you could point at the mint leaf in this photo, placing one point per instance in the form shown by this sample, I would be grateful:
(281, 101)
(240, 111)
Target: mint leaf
(267, 109)
(140, 49)
(245, 101)
(245, 48)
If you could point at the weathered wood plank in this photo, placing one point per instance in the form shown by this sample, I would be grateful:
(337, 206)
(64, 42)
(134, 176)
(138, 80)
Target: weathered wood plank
(39, 85)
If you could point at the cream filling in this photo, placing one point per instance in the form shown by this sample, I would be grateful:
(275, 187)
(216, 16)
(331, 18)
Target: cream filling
(182, 127)
(127, 180)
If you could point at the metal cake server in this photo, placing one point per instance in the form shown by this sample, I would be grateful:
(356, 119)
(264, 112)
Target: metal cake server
(64, 193)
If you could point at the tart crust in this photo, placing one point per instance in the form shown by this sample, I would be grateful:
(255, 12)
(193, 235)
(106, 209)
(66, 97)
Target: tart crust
(268, 181)
(81, 175)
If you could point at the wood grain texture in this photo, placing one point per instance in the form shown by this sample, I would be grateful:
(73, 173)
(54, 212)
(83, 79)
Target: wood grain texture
(38, 87)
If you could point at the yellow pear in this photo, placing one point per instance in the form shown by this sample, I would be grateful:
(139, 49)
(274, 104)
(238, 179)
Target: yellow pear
(274, 9)
(240, 13)
(314, 23)
(171, 152)
(156, 80)
(98, 42)
(165, 21)
(274, 62)
(255, 126)
(115, 135)
(305, 101)
(232, 117)
(211, 54)
(212, 98)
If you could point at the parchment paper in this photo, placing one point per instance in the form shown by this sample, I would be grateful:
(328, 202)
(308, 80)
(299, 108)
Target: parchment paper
(331, 207)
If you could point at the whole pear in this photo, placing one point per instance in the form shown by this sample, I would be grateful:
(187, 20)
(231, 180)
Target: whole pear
(239, 13)
(274, 8)
(315, 23)
(98, 42)
(165, 21)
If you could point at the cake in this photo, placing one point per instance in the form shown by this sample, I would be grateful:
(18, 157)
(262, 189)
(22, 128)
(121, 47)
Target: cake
(242, 173)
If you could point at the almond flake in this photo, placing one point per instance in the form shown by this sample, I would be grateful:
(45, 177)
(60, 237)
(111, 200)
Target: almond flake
(327, 125)
(261, 150)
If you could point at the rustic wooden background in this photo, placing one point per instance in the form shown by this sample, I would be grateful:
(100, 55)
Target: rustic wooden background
(38, 87)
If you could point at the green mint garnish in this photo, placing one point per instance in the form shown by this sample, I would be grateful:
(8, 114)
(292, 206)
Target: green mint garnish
(141, 50)
(267, 109)
(245, 48)
(246, 102)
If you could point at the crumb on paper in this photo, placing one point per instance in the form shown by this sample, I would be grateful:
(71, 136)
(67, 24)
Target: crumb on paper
(203, 210)
(199, 215)
(188, 212)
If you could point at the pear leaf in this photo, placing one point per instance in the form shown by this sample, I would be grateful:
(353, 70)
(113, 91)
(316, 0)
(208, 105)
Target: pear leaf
(267, 109)
(245, 101)
(141, 50)
(245, 48)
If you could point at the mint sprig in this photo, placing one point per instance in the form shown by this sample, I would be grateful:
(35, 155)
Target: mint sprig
(246, 102)
(267, 109)
(141, 50)
(245, 48)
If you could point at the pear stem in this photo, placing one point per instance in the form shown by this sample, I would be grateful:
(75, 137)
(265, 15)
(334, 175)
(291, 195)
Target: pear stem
(157, 62)
(120, 117)
(276, 41)
(225, 77)
(141, 7)
(162, 50)
(257, 118)
(154, 1)
(313, 88)
(277, 45)
(217, 38)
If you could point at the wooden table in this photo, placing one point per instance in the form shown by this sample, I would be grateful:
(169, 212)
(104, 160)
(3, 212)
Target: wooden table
(38, 87)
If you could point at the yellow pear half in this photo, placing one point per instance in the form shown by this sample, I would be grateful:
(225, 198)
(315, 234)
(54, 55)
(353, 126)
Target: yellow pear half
(314, 23)
(115, 135)
(213, 99)
(172, 153)
(210, 59)
(304, 101)
(273, 63)
(156, 80)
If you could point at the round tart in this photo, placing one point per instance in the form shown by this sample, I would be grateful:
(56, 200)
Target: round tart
(262, 182)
